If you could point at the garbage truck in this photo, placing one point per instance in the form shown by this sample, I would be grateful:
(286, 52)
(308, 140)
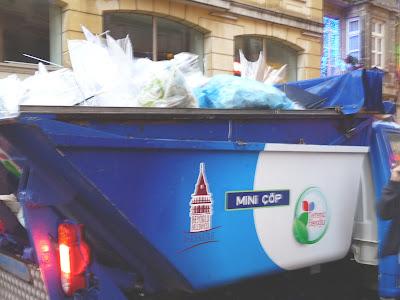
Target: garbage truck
(120, 203)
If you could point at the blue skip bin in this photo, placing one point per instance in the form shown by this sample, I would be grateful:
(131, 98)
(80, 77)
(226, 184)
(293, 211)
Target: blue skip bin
(188, 199)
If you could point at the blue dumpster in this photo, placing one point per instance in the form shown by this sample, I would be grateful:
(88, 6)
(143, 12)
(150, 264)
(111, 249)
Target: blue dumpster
(187, 199)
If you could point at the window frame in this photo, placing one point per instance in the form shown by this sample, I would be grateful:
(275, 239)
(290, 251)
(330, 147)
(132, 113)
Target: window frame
(155, 30)
(54, 46)
(375, 36)
(350, 34)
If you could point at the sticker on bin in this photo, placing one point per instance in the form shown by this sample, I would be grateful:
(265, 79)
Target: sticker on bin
(256, 199)
(202, 231)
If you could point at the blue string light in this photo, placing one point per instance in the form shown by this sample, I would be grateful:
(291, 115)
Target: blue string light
(331, 62)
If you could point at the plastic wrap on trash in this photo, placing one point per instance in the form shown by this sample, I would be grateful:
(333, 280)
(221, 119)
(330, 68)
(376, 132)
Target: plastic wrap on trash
(168, 83)
(189, 65)
(93, 38)
(126, 46)
(165, 86)
(259, 70)
(88, 62)
(108, 75)
(252, 69)
(274, 76)
(11, 92)
(105, 74)
(57, 88)
(226, 91)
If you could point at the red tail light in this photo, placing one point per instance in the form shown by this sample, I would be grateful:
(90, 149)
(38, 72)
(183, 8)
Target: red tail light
(74, 257)
(2, 227)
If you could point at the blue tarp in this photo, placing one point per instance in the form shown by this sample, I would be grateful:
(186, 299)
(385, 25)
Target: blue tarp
(373, 90)
(352, 92)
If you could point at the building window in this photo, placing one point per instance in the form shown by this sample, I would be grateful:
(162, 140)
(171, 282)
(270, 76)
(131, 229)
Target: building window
(25, 29)
(331, 61)
(154, 37)
(276, 53)
(378, 44)
(353, 38)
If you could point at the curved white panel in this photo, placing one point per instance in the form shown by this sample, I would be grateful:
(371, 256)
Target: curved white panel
(337, 175)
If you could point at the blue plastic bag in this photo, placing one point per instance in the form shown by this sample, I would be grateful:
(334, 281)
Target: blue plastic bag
(226, 91)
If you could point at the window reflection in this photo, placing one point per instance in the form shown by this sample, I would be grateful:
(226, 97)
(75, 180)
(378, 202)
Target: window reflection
(24, 28)
(171, 37)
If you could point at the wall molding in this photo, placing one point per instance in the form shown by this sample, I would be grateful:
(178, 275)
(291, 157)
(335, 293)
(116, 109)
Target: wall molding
(264, 14)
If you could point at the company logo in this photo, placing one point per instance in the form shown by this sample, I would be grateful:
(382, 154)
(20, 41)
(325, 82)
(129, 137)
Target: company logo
(311, 216)
(201, 231)
(201, 204)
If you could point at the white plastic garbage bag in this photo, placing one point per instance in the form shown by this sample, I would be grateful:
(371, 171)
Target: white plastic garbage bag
(189, 65)
(11, 92)
(104, 71)
(109, 76)
(106, 74)
(57, 88)
(259, 70)
(166, 83)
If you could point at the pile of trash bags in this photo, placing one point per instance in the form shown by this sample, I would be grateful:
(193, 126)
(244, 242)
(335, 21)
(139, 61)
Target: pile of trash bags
(105, 73)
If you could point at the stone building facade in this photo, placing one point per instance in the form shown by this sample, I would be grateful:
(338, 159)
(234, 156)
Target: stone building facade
(369, 29)
(289, 31)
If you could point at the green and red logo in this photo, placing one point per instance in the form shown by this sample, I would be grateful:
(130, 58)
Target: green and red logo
(311, 216)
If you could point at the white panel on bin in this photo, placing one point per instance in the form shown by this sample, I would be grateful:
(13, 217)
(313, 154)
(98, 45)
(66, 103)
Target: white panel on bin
(365, 236)
(333, 174)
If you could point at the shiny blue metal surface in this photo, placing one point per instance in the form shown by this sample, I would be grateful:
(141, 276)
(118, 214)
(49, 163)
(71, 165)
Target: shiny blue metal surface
(131, 183)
